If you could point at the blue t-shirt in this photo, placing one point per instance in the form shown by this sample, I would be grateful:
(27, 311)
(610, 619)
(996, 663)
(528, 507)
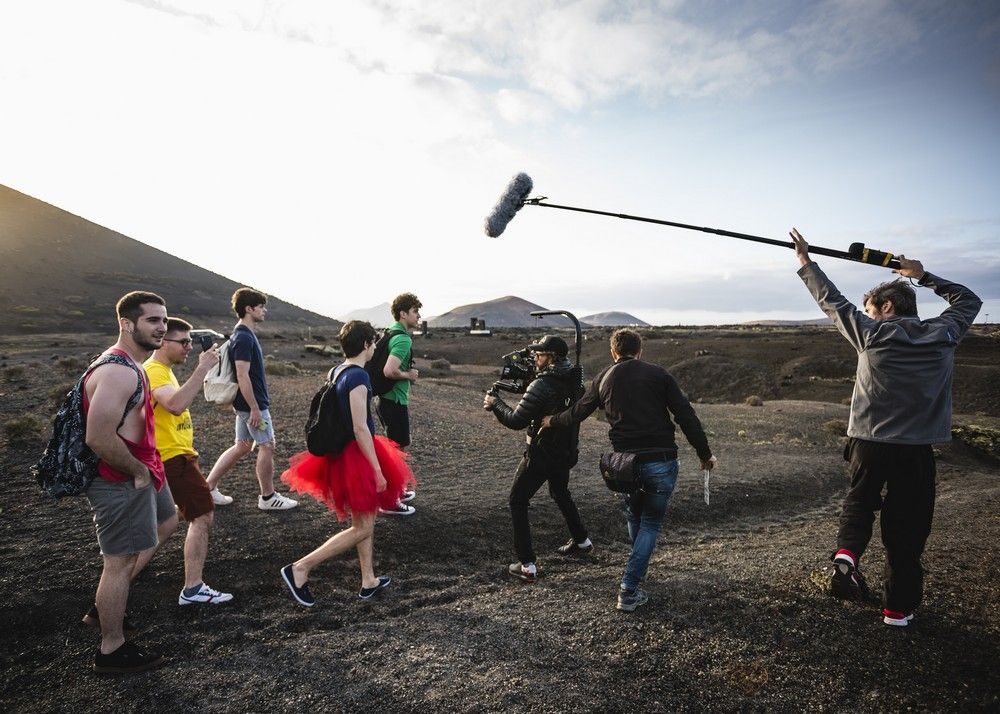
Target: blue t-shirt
(350, 377)
(244, 346)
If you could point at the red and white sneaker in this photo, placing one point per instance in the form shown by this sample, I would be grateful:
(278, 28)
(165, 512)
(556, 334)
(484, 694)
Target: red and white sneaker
(899, 619)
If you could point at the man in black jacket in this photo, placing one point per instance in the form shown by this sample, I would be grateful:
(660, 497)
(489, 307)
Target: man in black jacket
(549, 455)
(638, 399)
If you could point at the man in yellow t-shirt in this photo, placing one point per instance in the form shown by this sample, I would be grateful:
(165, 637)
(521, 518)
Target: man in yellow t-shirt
(175, 442)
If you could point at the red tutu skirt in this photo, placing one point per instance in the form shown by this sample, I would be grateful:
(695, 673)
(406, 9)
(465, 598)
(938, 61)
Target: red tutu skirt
(346, 482)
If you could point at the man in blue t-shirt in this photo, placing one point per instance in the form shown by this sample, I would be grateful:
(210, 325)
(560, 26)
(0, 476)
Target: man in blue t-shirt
(253, 419)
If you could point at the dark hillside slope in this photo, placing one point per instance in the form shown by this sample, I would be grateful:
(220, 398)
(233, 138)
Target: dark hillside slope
(62, 273)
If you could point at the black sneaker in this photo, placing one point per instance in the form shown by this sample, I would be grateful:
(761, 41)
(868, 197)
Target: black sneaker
(301, 594)
(848, 583)
(126, 659)
(93, 619)
(369, 593)
(571, 548)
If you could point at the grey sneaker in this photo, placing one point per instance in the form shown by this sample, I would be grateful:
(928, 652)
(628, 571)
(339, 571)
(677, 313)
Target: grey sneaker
(629, 601)
(276, 502)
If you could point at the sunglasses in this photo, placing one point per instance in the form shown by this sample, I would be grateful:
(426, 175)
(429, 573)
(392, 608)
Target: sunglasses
(186, 342)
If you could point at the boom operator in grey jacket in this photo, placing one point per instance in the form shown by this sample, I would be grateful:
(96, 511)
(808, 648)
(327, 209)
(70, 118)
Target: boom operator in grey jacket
(902, 390)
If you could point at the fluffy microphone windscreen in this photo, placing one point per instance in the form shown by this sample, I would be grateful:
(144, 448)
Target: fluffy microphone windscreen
(508, 205)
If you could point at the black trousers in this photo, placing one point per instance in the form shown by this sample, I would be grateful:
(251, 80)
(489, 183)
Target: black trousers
(395, 420)
(530, 475)
(907, 472)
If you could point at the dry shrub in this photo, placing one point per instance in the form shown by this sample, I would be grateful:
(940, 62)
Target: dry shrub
(24, 427)
(14, 373)
(70, 364)
(280, 368)
(58, 394)
(837, 427)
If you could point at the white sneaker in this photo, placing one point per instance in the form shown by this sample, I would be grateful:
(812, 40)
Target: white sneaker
(407, 496)
(220, 499)
(206, 594)
(277, 502)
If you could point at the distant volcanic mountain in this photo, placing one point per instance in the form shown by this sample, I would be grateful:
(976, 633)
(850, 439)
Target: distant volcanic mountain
(379, 315)
(509, 311)
(613, 319)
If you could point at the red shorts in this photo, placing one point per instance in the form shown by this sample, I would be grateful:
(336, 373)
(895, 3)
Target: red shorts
(188, 486)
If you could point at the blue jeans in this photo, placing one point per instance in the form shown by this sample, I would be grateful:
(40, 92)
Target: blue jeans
(644, 511)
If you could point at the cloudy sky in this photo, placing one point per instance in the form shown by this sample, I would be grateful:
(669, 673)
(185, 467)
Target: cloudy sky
(337, 153)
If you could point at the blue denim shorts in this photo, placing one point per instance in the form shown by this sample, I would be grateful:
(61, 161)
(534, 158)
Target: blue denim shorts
(262, 435)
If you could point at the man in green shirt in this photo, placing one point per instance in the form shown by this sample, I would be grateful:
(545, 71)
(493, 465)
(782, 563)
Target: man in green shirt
(393, 407)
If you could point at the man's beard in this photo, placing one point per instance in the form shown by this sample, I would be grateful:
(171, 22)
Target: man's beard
(147, 343)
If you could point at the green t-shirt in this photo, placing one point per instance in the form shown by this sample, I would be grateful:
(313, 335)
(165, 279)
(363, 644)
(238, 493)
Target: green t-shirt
(401, 347)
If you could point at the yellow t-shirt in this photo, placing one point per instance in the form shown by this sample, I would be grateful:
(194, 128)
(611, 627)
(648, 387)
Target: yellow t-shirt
(174, 434)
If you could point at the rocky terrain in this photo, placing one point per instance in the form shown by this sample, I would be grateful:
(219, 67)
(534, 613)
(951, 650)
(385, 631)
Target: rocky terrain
(738, 618)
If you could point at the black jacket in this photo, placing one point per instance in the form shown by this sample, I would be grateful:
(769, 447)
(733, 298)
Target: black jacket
(554, 389)
(638, 399)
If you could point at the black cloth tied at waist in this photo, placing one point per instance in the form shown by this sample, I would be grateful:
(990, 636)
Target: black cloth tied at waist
(649, 457)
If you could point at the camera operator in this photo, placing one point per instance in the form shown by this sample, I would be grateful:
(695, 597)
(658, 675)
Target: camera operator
(549, 455)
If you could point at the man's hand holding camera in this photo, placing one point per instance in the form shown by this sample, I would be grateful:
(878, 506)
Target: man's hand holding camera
(209, 358)
(488, 401)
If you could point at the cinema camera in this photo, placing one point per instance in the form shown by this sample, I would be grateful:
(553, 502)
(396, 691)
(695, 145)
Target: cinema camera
(205, 338)
(518, 370)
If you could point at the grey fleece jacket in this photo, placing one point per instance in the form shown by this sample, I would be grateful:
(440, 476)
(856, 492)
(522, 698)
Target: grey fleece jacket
(902, 391)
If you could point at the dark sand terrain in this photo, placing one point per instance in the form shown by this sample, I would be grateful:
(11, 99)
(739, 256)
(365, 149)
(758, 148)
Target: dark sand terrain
(737, 621)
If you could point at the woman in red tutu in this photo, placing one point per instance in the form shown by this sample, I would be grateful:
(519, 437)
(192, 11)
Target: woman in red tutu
(370, 472)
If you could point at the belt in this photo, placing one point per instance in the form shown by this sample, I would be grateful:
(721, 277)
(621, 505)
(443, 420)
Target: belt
(654, 456)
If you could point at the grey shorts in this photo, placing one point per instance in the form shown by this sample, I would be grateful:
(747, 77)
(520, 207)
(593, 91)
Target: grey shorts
(126, 517)
(245, 432)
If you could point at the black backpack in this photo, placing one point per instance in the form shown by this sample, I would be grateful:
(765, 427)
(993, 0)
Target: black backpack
(68, 465)
(327, 430)
(376, 365)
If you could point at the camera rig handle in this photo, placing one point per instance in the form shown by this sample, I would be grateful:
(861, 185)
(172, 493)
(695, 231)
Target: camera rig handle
(576, 324)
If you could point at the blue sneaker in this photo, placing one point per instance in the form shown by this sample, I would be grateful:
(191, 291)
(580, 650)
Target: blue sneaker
(369, 593)
(301, 594)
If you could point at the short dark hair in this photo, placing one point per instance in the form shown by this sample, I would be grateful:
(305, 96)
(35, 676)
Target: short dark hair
(176, 324)
(355, 335)
(130, 304)
(247, 297)
(626, 342)
(899, 292)
(404, 303)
